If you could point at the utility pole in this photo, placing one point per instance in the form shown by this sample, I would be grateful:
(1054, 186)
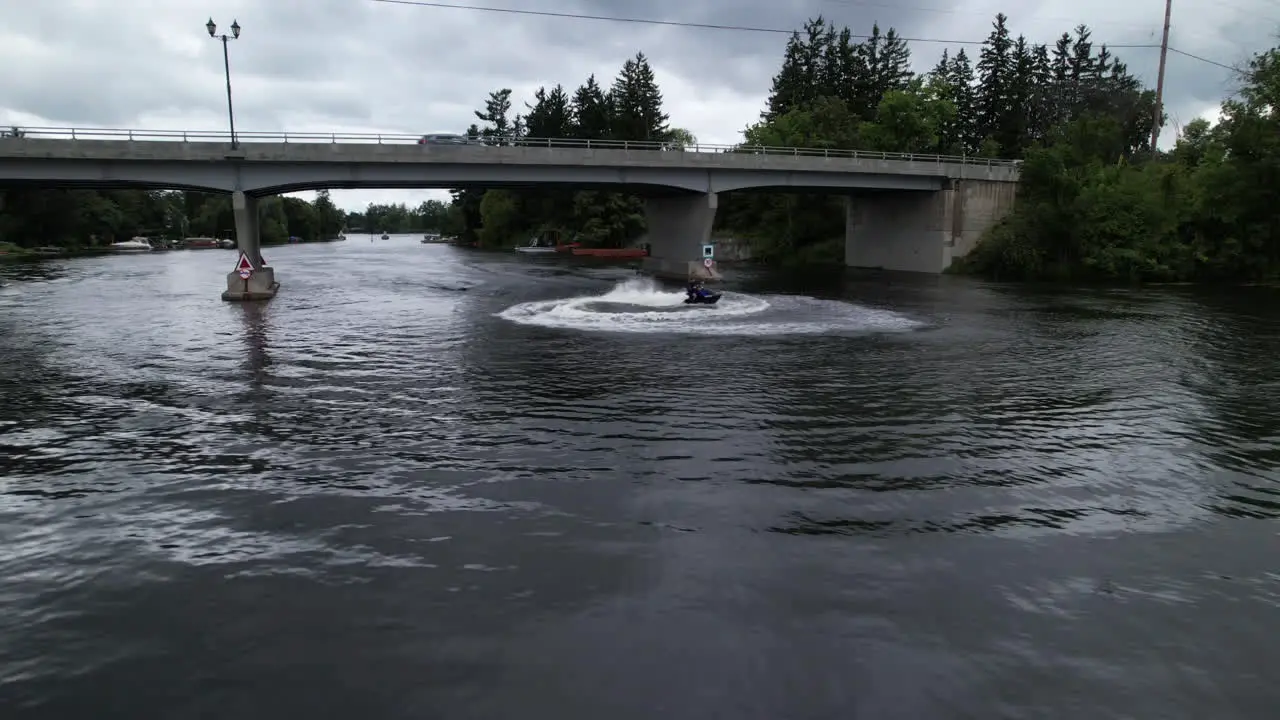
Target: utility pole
(1157, 121)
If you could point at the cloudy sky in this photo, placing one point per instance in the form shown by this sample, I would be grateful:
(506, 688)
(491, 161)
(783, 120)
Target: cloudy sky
(369, 66)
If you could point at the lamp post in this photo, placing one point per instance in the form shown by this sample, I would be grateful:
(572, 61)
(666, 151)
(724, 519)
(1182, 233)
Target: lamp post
(226, 64)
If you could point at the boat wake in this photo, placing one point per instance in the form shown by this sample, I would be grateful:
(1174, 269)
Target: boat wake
(641, 306)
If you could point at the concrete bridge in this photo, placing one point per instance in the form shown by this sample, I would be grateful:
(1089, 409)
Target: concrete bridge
(904, 212)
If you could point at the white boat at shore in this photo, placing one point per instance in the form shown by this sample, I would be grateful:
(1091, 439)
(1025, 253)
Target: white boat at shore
(135, 245)
(538, 246)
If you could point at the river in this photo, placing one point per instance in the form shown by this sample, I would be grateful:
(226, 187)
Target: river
(425, 482)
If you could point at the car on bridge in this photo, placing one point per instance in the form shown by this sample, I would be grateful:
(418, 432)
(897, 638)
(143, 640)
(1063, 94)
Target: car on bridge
(447, 139)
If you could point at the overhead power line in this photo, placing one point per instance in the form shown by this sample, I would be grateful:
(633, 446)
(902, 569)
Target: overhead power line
(672, 23)
(899, 7)
(1183, 53)
(733, 28)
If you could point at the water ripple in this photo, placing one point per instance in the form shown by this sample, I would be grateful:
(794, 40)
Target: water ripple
(530, 465)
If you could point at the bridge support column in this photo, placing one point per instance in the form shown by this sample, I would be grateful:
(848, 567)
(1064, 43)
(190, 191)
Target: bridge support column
(678, 227)
(261, 283)
(907, 230)
(923, 231)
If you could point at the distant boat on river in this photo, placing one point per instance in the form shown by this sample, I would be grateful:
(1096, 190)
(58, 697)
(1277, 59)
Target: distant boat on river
(135, 245)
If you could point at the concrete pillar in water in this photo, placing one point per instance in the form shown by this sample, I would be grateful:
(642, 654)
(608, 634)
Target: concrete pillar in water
(678, 227)
(261, 283)
(907, 230)
(922, 231)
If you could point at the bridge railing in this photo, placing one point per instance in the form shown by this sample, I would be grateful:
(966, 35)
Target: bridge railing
(210, 136)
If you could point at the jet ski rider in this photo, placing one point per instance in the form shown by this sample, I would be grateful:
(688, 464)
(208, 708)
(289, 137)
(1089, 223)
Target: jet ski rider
(695, 289)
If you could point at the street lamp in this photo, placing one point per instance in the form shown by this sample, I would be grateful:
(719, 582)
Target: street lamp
(226, 64)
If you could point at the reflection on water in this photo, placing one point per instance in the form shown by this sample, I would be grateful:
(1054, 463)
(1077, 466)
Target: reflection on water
(483, 486)
(256, 330)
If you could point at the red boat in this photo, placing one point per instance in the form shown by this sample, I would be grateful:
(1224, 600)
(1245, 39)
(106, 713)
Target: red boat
(611, 252)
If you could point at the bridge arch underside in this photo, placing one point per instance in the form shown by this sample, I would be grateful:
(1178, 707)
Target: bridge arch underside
(50, 174)
(265, 178)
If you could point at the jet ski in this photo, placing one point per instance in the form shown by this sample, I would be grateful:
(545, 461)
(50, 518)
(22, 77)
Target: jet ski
(699, 295)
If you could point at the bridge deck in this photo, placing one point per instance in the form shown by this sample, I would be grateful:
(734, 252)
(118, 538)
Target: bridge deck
(370, 154)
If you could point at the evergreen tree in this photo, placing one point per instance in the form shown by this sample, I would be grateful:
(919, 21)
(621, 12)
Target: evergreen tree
(841, 65)
(866, 95)
(943, 69)
(1062, 92)
(788, 85)
(590, 111)
(812, 62)
(466, 201)
(942, 87)
(494, 115)
(893, 69)
(550, 116)
(882, 65)
(1013, 134)
(636, 102)
(1083, 72)
(1040, 106)
(962, 81)
(995, 78)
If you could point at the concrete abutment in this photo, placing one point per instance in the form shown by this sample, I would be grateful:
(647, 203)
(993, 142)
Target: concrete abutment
(261, 283)
(922, 231)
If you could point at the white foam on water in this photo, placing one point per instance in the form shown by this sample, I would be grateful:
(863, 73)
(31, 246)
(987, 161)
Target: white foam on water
(641, 306)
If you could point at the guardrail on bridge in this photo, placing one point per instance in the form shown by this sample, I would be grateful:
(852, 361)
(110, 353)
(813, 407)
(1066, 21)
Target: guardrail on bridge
(128, 135)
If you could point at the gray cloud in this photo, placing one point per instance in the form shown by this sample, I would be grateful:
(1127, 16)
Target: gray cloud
(350, 65)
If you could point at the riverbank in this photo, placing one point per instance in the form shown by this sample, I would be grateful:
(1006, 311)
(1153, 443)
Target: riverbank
(15, 253)
(10, 252)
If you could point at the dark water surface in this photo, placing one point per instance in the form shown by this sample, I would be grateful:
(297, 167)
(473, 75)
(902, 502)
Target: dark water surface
(375, 497)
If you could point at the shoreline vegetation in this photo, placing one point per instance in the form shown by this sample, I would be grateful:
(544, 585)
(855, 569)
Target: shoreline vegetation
(1096, 203)
(45, 223)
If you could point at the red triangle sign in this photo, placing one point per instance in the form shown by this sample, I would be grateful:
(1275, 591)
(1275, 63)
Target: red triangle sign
(244, 263)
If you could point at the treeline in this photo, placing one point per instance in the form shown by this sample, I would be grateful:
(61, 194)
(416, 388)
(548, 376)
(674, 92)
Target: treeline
(428, 216)
(85, 218)
(1096, 202)
(833, 92)
(1209, 210)
(630, 109)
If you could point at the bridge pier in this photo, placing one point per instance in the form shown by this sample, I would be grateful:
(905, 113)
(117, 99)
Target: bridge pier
(678, 227)
(261, 283)
(906, 231)
(922, 231)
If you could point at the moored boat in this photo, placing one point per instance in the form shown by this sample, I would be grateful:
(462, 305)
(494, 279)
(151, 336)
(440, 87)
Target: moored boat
(200, 243)
(536, 249)
(611, 252)
(546, 244)
(134, 245)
